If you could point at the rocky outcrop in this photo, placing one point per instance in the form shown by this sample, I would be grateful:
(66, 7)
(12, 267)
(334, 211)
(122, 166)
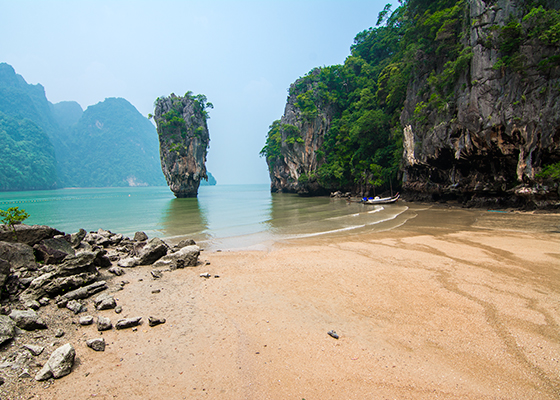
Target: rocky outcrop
(498, 128)
(300, 136)
(183, 140)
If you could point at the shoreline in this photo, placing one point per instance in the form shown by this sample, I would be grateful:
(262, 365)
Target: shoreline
(449, 305)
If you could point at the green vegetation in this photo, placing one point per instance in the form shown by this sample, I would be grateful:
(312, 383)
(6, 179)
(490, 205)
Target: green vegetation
(551, 172)
(12, 217)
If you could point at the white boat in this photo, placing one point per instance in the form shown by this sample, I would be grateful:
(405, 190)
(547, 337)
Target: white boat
(381, 200)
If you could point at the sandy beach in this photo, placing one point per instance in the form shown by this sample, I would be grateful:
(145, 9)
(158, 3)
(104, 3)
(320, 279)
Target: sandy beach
(453, 304)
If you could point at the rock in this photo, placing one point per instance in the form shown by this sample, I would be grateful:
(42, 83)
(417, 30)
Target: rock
(182, 158)
(128, 322)
(7, 329)
(156, 274)
(76, 238)
(140, 237)
(81, 293)
(116, 271)
(128, 262)
(4, 271)
(20, 256)
(185, 243)
(185, 257)
(28, 234)
(105, 302)
(44, 301)
(58, 333)
(104, 323)
(24, 374)
(333, 334)
(97, 344)
(205, 275)
(53, 251)
(153, 321)
(118, 309)
(59, 364)
(101, 259)
(27, 319)
(86, 320)
(154, 249)
(33, 349)
(75, 306)
(33, 304)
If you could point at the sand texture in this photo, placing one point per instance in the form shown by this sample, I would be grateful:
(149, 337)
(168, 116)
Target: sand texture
(454, 304)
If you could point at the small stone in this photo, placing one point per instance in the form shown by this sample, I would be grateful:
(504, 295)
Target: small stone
(105, 302)
(205, 275)
(116, 271)
(24, 374)
(33, 304)
(118, 309)
(58, 333)
(333, 334)
(97, 344)
(104, 323)
(86, 320)
(59, 364)
(127, 322)
(156, 274)
(153, 321)
(2, 380)
(44, 301)
(75, 306)
(124, 283)
(33, 349)
(156, 291)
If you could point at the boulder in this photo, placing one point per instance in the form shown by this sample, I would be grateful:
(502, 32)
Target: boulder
(28, 234)
(105, 302)
(59, 364)
(4, 271)
(19, 255)
(34, 349)
(185, 257)
(128, 262)
(116, 271)
(75, 306)
(81, 293)
(97, 344)
(7, 329)
(140, 237)
(104, 323)
(128, 322)
(154, 249)
(27, 319)
(76, 238)
(53, 251)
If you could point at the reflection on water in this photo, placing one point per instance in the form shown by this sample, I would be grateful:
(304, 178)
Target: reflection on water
(184, 217)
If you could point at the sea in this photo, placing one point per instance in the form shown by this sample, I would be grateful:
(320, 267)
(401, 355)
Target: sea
(222, 217)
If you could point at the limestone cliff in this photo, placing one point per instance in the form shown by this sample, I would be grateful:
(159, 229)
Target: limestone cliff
(183, 139)
(500, 122)
(296, 140)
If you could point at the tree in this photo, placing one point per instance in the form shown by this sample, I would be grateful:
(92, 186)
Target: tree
(12, 217)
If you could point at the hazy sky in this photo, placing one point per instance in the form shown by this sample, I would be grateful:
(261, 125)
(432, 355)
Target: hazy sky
(242, 55)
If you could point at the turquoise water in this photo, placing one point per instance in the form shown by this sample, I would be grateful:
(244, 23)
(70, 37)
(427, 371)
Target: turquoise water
(223, 216)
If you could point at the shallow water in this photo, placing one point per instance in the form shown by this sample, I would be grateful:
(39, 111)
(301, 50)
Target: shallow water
(223, 216)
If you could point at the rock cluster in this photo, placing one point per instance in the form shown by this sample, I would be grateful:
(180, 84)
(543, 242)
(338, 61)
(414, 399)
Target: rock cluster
(41, 265)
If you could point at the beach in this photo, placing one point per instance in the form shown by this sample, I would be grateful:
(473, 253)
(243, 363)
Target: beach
(452, 304)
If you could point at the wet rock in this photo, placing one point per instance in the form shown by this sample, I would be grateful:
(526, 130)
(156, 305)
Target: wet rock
(153, 321)
(59, 364)
(154, 249)
(128, 322)
(105, 302)
(27, 319)
(97, 344)
(33, 349)
(7, 329)
(86, 320)
(104, 323)
(75, 306)
(140, 237)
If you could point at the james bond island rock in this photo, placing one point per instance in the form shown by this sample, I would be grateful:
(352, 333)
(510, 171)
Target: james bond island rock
(294, 143)
(183, 141)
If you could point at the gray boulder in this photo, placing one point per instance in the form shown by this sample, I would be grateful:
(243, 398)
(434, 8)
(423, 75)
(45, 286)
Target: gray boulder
(128, 322)
(140, 237)
(152, 251)
(116, 271)
(128, 262)
(19, 255)
(86, 320)
(59, 364)
(81, 293)
(97, 344)
(27, 319)
(7, 329)
(185, 257)
(53, 251)
(75, 306)
(28, 234)
(76, 238)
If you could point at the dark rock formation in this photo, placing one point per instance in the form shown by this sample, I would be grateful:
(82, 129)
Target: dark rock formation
(500, 126)
(183, 139)
(302, 134)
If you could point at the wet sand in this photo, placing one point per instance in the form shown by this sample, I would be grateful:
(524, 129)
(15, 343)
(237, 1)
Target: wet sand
(454, 304)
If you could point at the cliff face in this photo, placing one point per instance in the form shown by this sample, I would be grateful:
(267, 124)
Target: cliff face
(183, 139)
(500, 125)
(298, 137)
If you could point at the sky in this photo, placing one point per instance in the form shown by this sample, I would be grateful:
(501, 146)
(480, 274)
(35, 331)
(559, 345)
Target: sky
(243, 55)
